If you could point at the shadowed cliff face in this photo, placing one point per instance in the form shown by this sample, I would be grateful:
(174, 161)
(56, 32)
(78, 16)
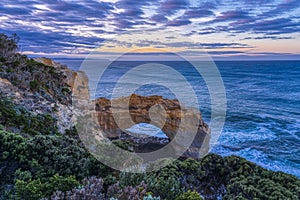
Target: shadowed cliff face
(184, 126)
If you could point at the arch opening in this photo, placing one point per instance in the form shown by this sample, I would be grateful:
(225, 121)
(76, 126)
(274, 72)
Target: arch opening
(147, 130)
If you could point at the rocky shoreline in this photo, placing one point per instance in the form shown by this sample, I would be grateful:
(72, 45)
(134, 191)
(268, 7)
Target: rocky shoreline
(143, 143)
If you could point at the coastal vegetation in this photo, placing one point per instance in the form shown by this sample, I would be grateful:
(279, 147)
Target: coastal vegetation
(37, 161)
(28, 74)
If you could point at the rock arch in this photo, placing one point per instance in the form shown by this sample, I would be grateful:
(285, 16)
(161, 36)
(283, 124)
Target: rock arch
(163, 113)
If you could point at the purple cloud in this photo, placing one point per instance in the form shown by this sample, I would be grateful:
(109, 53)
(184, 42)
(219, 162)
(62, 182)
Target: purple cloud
(167, 8)
(232, 15)
(197, 13)
(178, 22)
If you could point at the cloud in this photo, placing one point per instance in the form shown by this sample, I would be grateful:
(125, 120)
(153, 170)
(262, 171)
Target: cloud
(231, 15)
(50, 43)
(233, 22)
(132, 8)
(271, 27)
(224, 45)
(55, 26)
(269, 37)
(284, 7)
(17, 10)
(173, 5)
(67, 25)
(179, 22)
(167, 8)
(225, 52)
(184, 44)
(159, 18)
(130, 13)
(197, 13)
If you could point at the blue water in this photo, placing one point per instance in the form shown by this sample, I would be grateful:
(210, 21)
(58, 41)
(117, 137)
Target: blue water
(147, 129)
(263, 108)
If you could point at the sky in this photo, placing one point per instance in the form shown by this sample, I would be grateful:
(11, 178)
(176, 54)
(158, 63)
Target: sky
(224, 29)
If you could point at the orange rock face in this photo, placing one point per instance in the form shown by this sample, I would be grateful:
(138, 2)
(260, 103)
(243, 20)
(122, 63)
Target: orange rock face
(184, 126)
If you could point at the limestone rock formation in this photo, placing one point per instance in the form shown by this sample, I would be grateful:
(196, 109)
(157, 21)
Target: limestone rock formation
(184, 126)
(63, 113)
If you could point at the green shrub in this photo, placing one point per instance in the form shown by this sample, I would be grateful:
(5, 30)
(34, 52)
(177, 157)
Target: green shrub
(189, 195)
(126, 145)
(8, 46)
(41, 157)
(37, 189)
(26, 73)
(34, 85)
(15, 117)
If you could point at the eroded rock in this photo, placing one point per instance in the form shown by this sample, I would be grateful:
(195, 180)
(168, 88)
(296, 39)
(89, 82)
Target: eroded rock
(184, 126)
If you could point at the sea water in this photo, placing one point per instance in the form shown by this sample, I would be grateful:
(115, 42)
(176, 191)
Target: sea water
(263, 107)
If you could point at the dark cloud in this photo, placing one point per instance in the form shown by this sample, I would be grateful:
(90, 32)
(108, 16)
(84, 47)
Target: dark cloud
(170, 37)
(71, 11)
(173, 5)
(268, 37)
(55, 26)
(178, 22)
(243, 22)
(131, 15)
(197, 13)
(232, 16)
(132, 7)
(124, 24)
(207, 31)
(168, 8)
(193, 52)
(209, 5)
(224, 45)
(270, 27)
(5, 10)
(159, 18)
(259, 3)
(284, 7)
(225, 52)
(51, 43)
(275, 24)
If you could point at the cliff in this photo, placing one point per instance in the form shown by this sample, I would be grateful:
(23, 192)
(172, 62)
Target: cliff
(41, 86)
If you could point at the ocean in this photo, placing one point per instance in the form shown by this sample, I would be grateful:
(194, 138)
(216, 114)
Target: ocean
(263, 107)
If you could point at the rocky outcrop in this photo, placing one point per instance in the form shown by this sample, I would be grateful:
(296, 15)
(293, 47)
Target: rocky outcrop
(140, 143)
(44, 101)
(62, 112)
(183, 126)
